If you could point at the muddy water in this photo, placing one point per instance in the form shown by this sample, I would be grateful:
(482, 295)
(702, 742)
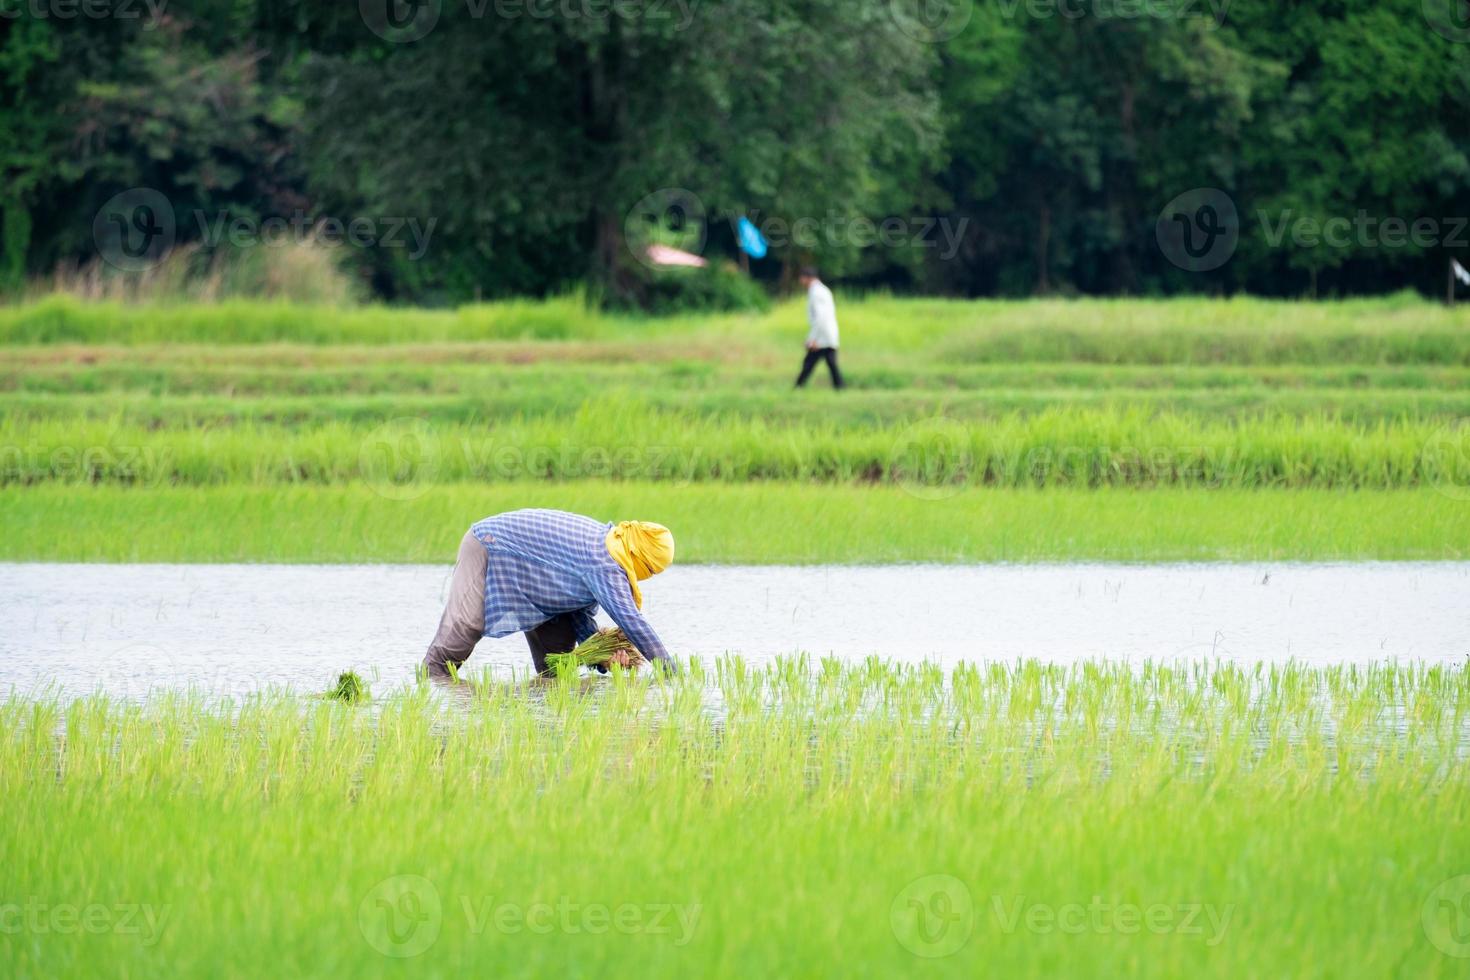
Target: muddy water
(236, 628)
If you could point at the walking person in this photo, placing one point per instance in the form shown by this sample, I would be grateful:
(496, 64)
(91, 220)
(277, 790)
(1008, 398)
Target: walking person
(544, 573)
(821, 338)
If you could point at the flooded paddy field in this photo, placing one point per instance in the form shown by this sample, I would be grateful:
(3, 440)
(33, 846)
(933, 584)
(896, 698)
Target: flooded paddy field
(231, 629)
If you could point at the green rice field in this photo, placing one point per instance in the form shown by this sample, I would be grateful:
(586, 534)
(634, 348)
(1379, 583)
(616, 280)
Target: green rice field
(1137, 430)
(1012, 818)
(1016, 819)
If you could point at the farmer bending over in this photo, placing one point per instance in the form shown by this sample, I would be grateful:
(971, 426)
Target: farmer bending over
(544, 573)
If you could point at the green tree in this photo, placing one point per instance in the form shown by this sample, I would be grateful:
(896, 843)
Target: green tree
(29, 131)
(531, 140)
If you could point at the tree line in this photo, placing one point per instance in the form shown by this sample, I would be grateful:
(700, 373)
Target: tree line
(993, 147)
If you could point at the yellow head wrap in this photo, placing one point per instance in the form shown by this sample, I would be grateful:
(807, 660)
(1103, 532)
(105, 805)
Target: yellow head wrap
(642, 548)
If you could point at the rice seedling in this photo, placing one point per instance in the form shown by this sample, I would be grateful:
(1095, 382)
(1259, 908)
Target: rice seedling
(627, 441)
(598, 650)
(349, 689)
(231, 415)
(1025, 818)
(1156, 819)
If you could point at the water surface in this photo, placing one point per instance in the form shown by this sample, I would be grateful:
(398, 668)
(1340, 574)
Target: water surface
(236, 628)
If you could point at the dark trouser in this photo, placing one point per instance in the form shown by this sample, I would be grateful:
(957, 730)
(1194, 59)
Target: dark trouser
(828, 354)
(557, 635)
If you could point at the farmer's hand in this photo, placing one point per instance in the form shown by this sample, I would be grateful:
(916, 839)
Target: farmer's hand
(810, 345)
(623, 658)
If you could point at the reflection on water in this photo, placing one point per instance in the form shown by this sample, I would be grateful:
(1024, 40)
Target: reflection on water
(236, 628)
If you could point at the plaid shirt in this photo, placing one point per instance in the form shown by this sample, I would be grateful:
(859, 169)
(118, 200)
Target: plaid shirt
(545, 563)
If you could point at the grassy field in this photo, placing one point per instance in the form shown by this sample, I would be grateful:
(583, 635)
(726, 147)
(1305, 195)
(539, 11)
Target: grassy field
(1016, 819)
(223, 417)
(1021, 820)
(758, 524)
(1396, 330)
(615, 440)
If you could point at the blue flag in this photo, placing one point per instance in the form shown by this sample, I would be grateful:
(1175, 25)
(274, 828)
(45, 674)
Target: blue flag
(752, 242)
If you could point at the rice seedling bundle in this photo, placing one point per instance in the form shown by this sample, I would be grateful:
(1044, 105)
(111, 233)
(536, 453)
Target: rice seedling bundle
(349, 689)
(596, 651)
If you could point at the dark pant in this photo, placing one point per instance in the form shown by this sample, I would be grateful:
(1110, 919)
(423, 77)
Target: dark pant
(828, 354)
(557, 635)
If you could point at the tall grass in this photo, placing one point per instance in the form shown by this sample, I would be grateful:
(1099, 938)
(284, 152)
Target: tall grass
(567, 370)
(1193, 331)
(765, 398)
(237, 321)
(622, 441)
(790, 818)
(296, 386)
(401, 426)
(298, 272)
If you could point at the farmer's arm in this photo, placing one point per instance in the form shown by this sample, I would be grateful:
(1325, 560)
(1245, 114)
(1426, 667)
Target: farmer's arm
(617, 600)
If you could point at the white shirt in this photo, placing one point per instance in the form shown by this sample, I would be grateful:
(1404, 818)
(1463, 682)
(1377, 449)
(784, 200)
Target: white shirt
(821, 313)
